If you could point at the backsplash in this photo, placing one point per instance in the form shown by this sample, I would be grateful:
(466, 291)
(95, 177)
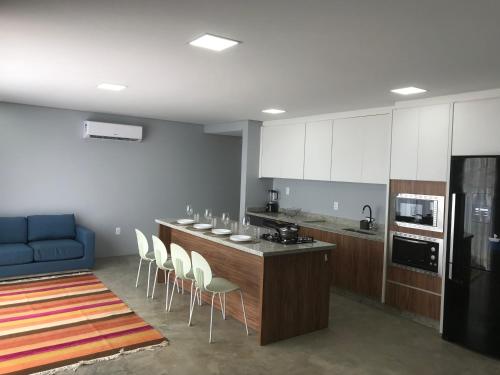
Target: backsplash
(318, 197)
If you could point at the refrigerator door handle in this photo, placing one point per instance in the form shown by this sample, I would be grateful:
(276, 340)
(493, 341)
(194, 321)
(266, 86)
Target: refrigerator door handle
(452, 232)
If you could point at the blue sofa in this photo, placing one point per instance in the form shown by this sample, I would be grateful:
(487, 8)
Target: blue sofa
(43, 244)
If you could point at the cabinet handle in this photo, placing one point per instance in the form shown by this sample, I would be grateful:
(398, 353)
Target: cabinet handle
(326, 257)
(452, 232)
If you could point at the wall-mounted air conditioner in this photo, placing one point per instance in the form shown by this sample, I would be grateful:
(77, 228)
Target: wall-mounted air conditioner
(93, 129)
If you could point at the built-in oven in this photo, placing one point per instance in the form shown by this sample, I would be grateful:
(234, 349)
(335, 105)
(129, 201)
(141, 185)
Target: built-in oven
(419, 211)
(418, 252)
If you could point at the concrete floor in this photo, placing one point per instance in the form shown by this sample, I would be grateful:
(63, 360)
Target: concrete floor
(362, 339)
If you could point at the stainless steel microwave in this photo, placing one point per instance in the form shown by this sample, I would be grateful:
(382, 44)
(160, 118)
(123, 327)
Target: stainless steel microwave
(419, 211)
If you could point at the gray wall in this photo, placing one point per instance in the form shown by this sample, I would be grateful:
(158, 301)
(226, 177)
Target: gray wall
(47, 167)
(318, 197)
(253, 189)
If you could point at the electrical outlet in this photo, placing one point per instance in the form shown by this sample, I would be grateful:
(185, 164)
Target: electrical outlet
(118, 231)
(287, 190)
(335, 205)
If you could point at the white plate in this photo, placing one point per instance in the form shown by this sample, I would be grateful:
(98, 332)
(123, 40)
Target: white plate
(221, 231)
(185, 221)
(202, 226)
(240, 238)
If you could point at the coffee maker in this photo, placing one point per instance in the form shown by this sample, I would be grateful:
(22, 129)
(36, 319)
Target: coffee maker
(272, 204)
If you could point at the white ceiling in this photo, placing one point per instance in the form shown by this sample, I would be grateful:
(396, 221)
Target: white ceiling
(307, 56)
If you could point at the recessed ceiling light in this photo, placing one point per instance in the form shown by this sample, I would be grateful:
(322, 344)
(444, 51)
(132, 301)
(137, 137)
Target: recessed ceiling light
(273, 111)
(215, 43)
(111, 87)
(408, 91)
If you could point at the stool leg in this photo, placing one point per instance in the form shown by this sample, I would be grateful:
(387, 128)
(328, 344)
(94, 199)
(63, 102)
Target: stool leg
(172, 294)
(154, 283)
(192, 307)
(149, 278)
(138, 273)
(244, 314)
(222, 307)
(211, 319)
(167, 278)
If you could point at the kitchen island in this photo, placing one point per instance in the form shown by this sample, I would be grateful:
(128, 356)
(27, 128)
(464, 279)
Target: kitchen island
(286, 287)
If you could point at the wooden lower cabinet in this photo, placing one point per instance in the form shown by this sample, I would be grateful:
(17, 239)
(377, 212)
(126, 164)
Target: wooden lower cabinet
(357, 263)
(359, 266)
(416, 292)
(413, 300)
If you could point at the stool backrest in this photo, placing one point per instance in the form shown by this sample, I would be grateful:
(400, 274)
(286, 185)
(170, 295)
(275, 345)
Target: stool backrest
(142, 243)
(180, 259)
(201, 269)
(161, 255)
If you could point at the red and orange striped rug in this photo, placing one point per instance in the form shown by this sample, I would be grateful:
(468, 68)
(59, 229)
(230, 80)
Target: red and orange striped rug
(65, 320)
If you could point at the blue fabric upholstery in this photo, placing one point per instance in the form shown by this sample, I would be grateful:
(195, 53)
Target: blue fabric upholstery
(13, 230)
(46, 251)
(16, 253)
(87, 238)
(51, 227)
(18, 259)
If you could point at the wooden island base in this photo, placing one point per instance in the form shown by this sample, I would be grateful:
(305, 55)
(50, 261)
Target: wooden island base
(285, 295)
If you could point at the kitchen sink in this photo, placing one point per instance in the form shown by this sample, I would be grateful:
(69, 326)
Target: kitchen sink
(359, 231)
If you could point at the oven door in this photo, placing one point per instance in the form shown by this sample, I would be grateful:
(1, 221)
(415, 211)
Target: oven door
(417, 252)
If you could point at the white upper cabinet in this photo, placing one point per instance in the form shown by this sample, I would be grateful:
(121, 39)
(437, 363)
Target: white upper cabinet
(352, 149)
(318, 150)
(292, 151)
(420, 143)
(347, 150)
(404, 144)
(476, 127)
(360, 151)
(282, 151)
(376, 149)
(270, 160)
(433, 143)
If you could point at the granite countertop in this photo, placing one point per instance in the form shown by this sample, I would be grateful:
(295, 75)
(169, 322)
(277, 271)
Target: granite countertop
(324, 223)
(258, 247)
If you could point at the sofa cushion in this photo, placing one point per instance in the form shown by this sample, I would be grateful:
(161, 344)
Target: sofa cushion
(13, 230)
(15, 253)
(51, 227)
(46, 251)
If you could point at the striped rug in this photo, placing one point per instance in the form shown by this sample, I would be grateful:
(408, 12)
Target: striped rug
(65, 320)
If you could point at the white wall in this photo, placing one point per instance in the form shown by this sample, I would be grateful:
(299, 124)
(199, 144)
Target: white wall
(47, 167)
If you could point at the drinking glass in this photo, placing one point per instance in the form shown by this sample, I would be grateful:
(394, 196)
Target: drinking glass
(196, 217)
(225, 218)
(246, 222)
(208, 215)
(189, 210)
(234, 227)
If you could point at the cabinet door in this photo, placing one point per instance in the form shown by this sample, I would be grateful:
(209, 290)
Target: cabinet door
(270, 154)
(434, 124)
(369, 257)
(476, 128)
(291, 149)
(344, 266)
(376, 149)
(318, 150)
(347, 149)
(404, 147)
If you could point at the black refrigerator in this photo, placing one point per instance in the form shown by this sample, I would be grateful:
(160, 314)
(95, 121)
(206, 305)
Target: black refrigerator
(472, 279)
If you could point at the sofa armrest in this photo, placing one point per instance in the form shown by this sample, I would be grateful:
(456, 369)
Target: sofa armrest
(87, 238)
